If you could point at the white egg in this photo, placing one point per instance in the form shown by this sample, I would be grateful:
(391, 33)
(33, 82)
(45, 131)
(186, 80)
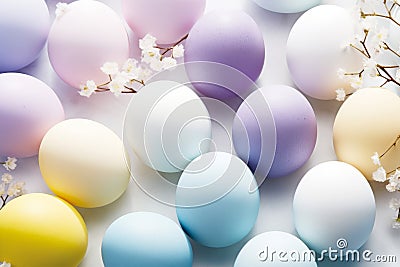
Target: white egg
(274, 249)
(318, 46)
(167, 126)
(334, 207)
(287, 6)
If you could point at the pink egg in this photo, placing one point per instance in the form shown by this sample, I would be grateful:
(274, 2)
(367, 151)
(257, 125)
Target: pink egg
(168, 21)
(28, 109)
(81, 40)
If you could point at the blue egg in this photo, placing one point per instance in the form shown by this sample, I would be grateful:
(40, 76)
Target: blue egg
(287, 6)
(145, 239)
(217, 199)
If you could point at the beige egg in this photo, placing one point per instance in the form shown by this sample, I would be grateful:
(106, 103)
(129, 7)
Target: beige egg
(84, 162)
(368, 122)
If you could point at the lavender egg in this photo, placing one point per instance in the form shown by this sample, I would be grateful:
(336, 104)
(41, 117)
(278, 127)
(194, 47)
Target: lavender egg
(229, 37)
(24, 26)
(296, 129)
(28, 109)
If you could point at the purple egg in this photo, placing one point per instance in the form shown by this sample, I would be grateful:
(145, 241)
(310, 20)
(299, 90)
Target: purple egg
(28, 109)
(296, 129)
(24, 26)
(229, 37)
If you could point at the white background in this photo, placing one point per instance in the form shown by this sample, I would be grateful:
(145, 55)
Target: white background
(276, 194)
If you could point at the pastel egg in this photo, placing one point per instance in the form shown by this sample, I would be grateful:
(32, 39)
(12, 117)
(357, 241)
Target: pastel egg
(317, 48)
(228, 37)
(42, 230)
(84, 162)
(24, 26)
(81, 40)
(165, 22)
(334, 207)
(296, 130)
(167, 125)
(135, 238)
(28, 109)
(217, 200)
(287, 6)
(366, 123)
(274, 249)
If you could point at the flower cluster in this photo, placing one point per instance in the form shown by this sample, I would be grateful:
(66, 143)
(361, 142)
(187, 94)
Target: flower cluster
(8, 188)
(5, 264)
(372, 42)
(154, 58)
(391, 177)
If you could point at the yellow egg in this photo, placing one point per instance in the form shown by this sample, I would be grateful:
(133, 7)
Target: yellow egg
(368, 122)
(39, 230)
(84, 162)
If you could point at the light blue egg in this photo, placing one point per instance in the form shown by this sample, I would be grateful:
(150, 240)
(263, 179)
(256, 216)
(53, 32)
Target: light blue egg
(145, 239)
(217, 199)
(275, 249)
(287, 6)
(24, 26)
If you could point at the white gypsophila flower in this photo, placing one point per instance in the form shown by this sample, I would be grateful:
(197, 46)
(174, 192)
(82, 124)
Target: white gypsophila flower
(156, 65)
(369, 6)
(370, 67)
(6, 178)
(376, 159)
(110, 68)
(396, 223)
(61, 9)
(379, 175)
(147, 42)
(5, 264)
(394, 204)
(144, 74)
(116, 86)
(131, 66)
(88, 89)
(16, 190)
(2, 190)
(341, 73)
(392, 187)
(178, 51)
(340, 94)
(151, 55)
(10, 164)
(397, 76)
(168, 62)
(356, 82)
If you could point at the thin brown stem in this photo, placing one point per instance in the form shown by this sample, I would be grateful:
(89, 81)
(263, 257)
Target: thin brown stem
(387, 47)
(4, 200)
(391, 146)
(359, 50)
(389, 17)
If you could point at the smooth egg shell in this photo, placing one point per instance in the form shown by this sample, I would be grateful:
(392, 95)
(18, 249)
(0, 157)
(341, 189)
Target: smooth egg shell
(287, 6)
(41, 230)
(334, 201)
(84, 162)
(366, 123)
(28, 109)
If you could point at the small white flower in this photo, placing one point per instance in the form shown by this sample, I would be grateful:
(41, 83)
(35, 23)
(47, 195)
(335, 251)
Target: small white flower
(375, 159)
(61, 9)
(341, 73)
(147, 42)
(168, 62)
(396, 224)
(394, 204)
(392, 187)
(10, 164)
(340, 94)
(370, 67)
(156, 65)
(356, 82)
(144, 74)
(178, 51)
(379, 175)
(16, 190)
(5, 264)
(110, 68)
(6, 178)
(151, 55)
(88, 89)
(116, 86)
(2, 191)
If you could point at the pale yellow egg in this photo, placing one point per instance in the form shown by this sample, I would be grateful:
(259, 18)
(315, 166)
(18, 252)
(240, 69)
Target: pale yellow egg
(40, 230)
(368, 122)
(84, 162)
